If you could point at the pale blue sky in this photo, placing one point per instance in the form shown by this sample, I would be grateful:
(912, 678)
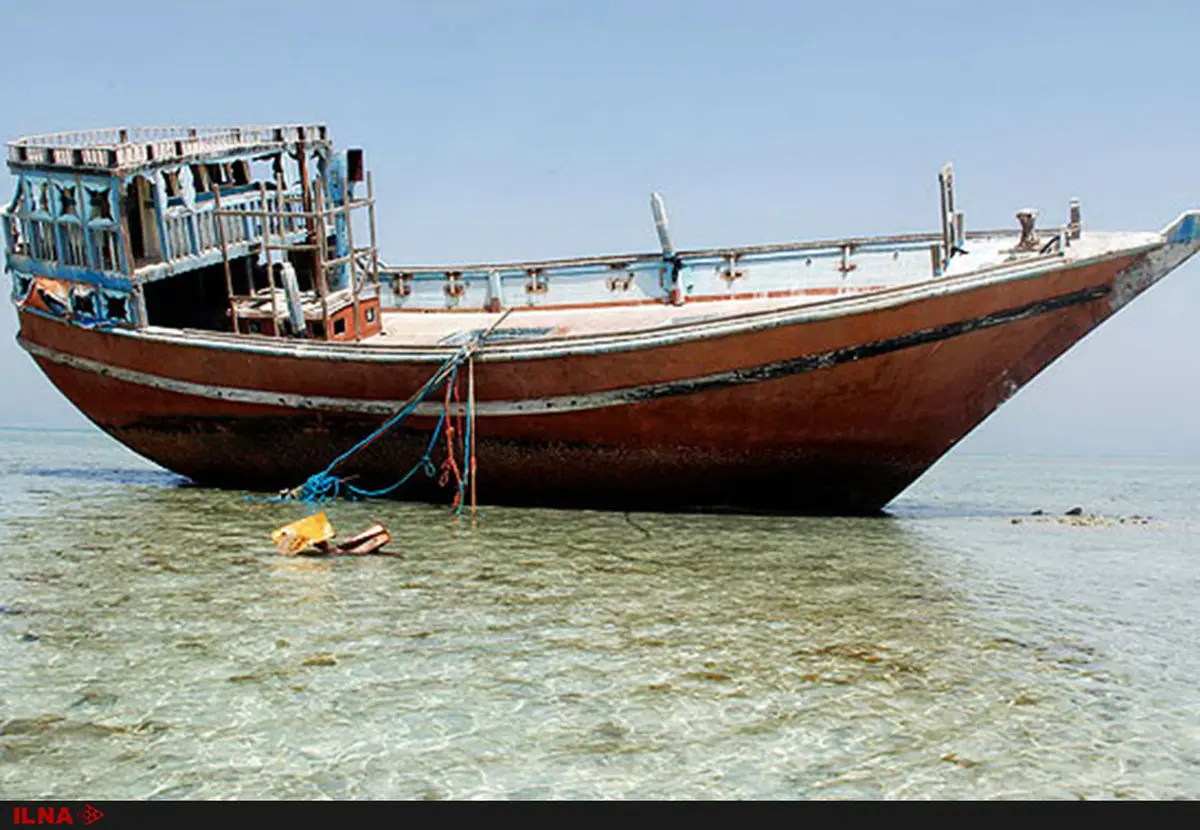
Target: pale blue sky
(527, 129)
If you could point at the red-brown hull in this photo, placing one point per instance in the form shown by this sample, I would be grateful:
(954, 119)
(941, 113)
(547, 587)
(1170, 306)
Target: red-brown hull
(834, 416)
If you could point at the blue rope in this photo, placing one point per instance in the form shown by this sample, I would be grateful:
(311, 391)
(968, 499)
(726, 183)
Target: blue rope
(426, 464)
(462, 484)
(325, 486)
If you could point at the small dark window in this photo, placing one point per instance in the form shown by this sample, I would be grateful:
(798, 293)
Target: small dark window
(171, 182)
(241, 172)
(67, 201)
(199, 178)
(84, 305)
(318, 330)
(99, 205)
(253, 327)
(21, 286)
(219, 174)
(339, 325)
(370, 314)
(115, 308)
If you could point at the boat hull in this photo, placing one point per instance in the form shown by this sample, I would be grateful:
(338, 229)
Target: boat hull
(830, 412)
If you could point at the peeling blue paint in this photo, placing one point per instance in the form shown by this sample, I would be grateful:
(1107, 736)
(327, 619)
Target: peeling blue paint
(1186, 230)
(337, 197)
(38, 268)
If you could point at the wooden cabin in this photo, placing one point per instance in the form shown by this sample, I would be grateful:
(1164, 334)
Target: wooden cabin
(247, 230)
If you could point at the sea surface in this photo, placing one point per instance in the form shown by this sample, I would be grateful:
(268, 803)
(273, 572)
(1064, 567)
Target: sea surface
(153, 645)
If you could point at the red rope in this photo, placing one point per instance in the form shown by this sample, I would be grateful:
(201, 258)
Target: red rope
(461, 433)
(450, 465)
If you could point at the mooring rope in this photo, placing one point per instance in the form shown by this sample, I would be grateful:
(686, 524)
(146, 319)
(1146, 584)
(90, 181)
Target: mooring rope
(325, 485)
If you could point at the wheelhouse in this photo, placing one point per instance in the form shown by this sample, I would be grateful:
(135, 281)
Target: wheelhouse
(249, 230)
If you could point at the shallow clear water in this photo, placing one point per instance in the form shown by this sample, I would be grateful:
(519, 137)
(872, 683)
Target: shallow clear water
(152, 645)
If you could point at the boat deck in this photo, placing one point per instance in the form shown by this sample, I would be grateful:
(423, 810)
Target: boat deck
(425, 326)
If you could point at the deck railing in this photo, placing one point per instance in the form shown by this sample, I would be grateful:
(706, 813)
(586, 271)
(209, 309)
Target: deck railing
(123, 147)
(196, 232)
(289, 223)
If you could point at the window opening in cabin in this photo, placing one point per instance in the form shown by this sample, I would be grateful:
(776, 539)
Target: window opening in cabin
(262, 169)
(74, 250)
(99, 206)
(199, 178)
(83, 304)
(41, 235)
(68, 205)
(241, 173)
(21, 286)
(216, 175)
(116, 307)
(16, 237)
(141, 219)
(104, 249)
(339, 325)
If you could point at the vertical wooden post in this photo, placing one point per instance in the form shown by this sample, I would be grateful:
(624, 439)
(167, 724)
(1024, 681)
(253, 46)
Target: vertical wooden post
(119, 225)
(319, 260)
(83, 207)
(282, 247)
(220, 220)
(374, 246)
(946, 243)
(279, 195)
(306, 199)
(52, 199)
(266, 232)
(139, 296)
(348, 208)
(471, 425)
(160, 220)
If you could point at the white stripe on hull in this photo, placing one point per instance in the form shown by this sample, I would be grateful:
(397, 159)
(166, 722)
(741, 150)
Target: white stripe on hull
(323, 403)
(588, 401)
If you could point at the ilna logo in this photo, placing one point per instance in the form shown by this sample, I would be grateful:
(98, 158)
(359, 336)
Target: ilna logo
(56, 815)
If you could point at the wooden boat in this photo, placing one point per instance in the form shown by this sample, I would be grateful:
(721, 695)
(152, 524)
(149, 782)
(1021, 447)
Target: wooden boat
(213, 299)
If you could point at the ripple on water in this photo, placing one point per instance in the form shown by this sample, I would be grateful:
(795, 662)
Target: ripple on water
(945, 653)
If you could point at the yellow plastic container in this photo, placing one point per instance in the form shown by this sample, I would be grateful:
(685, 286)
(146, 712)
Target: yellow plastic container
(300, 536)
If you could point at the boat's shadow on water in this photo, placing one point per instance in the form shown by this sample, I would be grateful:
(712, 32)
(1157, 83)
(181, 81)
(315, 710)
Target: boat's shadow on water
(901, 510)
(112, 475)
